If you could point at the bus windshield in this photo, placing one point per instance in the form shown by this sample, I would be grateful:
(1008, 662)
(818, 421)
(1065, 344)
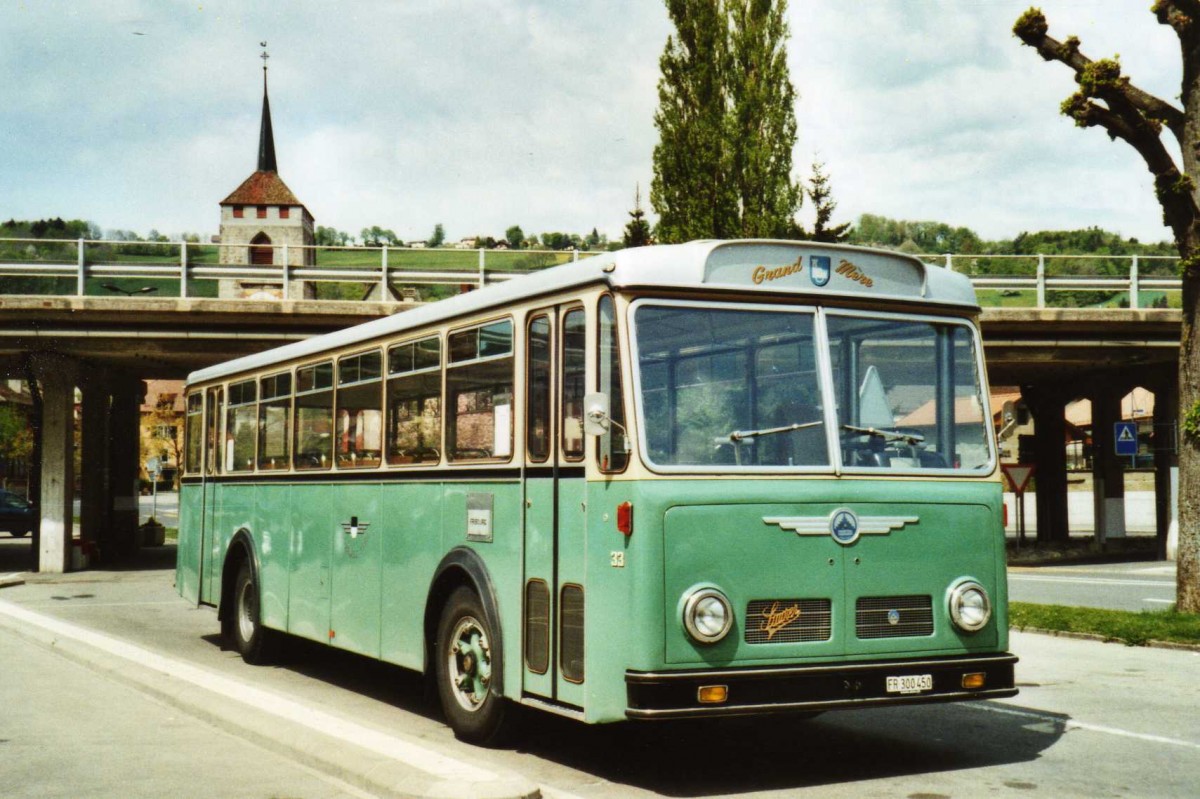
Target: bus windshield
(736, 388)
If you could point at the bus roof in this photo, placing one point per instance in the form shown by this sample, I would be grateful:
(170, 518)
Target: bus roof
(801, 269)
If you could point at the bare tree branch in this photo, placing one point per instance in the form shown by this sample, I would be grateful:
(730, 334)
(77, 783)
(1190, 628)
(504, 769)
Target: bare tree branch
(1179, 14)
(1032, 29)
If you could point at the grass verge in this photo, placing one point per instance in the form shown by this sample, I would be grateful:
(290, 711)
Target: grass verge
(1132, 629)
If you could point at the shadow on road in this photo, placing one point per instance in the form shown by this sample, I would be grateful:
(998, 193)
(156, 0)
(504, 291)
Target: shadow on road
(16, 555)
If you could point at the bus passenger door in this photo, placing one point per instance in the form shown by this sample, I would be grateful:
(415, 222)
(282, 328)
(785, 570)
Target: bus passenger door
(209, 557)
(552, 642)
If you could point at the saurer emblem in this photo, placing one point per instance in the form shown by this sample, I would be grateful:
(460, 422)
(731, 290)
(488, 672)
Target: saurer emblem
(843, 524)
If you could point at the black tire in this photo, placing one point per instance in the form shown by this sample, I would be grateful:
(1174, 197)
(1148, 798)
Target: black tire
(465, 663)
(243, 624)
(20, 533)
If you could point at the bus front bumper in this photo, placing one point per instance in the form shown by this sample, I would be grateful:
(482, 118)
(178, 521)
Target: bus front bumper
(819, 687)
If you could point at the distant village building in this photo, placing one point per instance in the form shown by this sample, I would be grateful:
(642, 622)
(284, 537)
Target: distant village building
(262, 220)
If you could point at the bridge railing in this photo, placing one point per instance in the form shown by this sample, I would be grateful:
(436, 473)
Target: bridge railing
(190, 269)
(1058, 281)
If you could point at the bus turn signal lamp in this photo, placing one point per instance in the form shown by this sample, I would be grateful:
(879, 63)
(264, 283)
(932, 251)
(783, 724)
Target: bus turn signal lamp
(974, 680)
(625, 518)
(712, 694)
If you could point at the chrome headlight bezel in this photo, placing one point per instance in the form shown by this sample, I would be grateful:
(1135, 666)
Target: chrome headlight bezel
(967, 599)
(696, 602)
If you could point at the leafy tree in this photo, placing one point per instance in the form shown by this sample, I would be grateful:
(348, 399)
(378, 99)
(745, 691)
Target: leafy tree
(592, 239)
(439, 236)
(637, 230)
(16, 436)
(691, 190)
(722, 167)
(824, 205)
(1108, 100)
(515, 237)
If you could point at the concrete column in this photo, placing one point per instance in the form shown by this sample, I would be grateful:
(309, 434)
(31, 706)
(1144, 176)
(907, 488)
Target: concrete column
(57, 466)
(1108, 476)
(1166, 462)
(94, 509)
(1050, 432)
(124, 445)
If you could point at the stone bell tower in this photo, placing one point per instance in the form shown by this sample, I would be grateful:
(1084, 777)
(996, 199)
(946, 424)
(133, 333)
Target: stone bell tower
(262, 223)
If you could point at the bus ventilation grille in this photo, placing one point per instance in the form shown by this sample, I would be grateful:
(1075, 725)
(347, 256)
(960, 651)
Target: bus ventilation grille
(788, 621)
(571, 633)
(893, 616)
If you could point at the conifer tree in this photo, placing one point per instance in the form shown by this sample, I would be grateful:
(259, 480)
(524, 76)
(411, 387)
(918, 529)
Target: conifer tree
(824, 205)
(637, 231)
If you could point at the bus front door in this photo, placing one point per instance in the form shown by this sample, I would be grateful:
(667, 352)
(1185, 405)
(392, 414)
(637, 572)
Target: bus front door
(552, 602)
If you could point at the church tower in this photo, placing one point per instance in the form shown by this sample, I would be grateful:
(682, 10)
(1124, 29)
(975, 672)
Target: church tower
(262, 222)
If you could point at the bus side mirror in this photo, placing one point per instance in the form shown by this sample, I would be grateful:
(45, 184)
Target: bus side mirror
(595, 414)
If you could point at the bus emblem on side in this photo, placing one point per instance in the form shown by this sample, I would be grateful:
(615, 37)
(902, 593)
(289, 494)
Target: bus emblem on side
(819, 269)
(843, 525)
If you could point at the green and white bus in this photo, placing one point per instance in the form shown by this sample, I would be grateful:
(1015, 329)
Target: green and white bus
(717, 478)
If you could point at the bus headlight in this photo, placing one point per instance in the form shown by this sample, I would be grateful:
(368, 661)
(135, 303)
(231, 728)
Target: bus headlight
(970, 608)
(707, 615)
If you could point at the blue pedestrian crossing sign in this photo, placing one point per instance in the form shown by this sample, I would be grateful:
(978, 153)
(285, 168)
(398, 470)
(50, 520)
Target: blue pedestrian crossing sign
(1125, 438)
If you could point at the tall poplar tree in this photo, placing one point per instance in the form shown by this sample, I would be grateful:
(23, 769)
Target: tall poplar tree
(691, 190)
(726, 122)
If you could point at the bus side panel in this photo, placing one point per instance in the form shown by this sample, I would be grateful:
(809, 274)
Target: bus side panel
(624, 592)
(312, 524)
(411, 525)
(501, 555)
(191, 531)
(273, 539)
(572, 561)
(358, 531)
(210, 568)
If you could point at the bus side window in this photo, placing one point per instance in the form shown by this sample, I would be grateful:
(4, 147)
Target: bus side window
(212, 462)
(273, 422)
(414, 402)
(241, 426)
(359, 418)
(537, 390)
(193, 431)
(612, 448)
(574, 358)
(479, 392)
(314, 417)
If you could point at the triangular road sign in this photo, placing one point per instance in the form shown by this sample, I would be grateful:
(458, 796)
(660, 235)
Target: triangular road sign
(1018, 475)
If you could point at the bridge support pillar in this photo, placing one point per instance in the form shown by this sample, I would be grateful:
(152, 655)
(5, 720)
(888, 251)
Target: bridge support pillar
(56, 378)
(1166, 461)
(94, 509)
(1048, 407)
(123, 450)
(1108, 476)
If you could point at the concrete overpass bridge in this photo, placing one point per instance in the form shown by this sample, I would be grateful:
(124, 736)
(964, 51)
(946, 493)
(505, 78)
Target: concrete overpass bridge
(107, 345)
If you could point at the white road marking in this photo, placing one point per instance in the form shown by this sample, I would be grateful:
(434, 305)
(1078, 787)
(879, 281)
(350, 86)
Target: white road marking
(1030, 578)
(1071, 724)
(79, 604)
(1163, 601)
(410, 754)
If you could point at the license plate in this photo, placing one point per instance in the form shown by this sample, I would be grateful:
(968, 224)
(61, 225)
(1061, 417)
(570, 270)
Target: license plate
(910, 684)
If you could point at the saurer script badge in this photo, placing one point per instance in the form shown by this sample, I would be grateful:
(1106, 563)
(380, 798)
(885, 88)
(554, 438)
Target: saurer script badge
(843, 524)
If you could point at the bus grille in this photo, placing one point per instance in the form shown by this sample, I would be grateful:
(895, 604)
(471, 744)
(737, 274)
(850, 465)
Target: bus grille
(537, 626)
(571, 633)
(893, 616)
(788, 621)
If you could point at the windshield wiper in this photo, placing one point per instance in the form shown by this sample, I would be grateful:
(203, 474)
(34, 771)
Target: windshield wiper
(890, 435)
(746, 435)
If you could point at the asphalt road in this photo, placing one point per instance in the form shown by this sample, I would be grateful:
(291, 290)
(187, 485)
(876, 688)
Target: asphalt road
(1092, 720)
(1117, 586)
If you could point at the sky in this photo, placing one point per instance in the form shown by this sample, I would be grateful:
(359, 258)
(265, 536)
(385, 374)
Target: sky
(481, 114)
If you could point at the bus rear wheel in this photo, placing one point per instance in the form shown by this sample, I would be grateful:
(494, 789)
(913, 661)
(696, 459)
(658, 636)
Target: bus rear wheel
(466, 665)
(243, 626)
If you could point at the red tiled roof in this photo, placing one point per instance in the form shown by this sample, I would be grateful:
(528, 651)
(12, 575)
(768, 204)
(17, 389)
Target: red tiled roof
(262, 188)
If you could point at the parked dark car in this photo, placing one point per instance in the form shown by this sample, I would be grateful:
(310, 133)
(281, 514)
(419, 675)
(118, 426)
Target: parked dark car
(17, 515)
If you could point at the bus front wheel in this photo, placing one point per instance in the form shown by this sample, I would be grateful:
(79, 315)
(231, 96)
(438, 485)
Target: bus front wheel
(466, 666)
(244, 625)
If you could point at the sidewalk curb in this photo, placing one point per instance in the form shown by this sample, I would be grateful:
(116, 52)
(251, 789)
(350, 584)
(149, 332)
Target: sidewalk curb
(10, 580)
(346, 761)
(1107, 640)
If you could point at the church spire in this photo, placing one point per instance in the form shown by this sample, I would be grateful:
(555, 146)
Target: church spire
(266, 138)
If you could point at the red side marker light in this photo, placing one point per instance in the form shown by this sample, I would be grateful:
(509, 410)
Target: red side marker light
(625, 518)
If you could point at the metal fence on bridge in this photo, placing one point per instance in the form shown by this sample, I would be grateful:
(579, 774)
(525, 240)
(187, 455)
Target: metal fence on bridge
(188, 269)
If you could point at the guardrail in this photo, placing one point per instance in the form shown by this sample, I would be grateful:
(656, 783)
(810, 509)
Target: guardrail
(187, 269)
(91, 267)
(1052, 280)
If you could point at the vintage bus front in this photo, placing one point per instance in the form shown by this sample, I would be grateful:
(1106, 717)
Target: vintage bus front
(810, 518)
